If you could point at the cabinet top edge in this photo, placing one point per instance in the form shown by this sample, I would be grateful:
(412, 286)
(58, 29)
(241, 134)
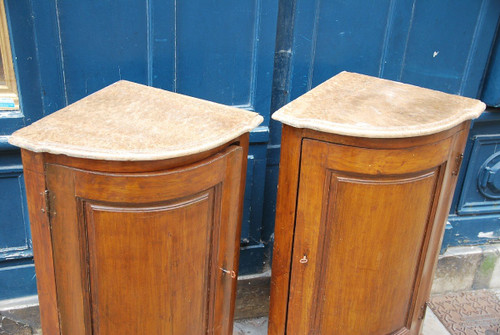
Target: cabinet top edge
(132, 122)
(358, 105)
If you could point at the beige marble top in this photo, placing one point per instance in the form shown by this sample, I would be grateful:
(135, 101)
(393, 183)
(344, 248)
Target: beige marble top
(128, 121)
(358, 105)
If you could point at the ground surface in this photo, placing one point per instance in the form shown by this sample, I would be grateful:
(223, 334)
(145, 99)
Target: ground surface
(466, 313)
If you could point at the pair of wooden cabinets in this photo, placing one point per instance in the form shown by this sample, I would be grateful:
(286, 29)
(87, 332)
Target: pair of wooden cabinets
(129, 245)
(141, 248)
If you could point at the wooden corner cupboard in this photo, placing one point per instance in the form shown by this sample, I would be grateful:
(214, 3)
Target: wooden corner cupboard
(367, 172)
(135, 200)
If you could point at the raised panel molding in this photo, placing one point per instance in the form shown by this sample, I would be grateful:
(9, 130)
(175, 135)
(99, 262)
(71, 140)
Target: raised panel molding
(15, 237)
(475, 197)
(164, 243)
(340, 229)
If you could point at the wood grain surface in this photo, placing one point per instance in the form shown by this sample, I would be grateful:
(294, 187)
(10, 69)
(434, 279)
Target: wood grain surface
(150, 249)
(358, 229)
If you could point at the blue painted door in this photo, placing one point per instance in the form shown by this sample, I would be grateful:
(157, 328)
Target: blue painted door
(16, 266)
(253, 54)
(64, 50)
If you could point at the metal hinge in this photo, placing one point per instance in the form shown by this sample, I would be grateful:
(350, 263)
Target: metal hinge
(458, 162)
(423, 310)
(46, 206)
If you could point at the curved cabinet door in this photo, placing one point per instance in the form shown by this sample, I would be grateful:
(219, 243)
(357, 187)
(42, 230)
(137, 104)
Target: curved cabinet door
(363, 222)
(147, 253)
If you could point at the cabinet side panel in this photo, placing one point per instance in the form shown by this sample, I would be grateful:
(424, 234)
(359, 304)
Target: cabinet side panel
(284, 227)
(152, 266)
(444, 202)
(69, 275)
(42, 247)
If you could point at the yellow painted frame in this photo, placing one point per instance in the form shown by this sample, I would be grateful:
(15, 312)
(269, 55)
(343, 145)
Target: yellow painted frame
(9, 89)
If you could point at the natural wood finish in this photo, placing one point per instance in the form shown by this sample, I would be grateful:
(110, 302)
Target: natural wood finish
(436, 236)
(358, 229)
(150, 249)
(138, 166)
(34, 178)
(9, 89)
(288, 181)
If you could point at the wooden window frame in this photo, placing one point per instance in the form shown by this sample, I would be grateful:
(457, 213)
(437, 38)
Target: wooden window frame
(9, 98)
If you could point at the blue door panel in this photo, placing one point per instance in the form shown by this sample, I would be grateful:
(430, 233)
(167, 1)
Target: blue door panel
(15, 239)
(475, 209)
(50, 72)
(17, 279)
(491, 93)
(252, 252)
(181, 46)
(215, 46)
(442, 45)
(480, 193)
(471, 230)
(254, 192)
(101, 42)
(441, 48)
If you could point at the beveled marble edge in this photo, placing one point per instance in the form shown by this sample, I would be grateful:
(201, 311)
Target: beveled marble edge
(377, 132)
(117, 155)
(298, 112)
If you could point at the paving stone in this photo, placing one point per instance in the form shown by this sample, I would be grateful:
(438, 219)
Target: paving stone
(11, 327)
(456, 269)
(252, 297)
(495, 276)
(432, 325)
(257, 326)
(488, 270)
(29, 316)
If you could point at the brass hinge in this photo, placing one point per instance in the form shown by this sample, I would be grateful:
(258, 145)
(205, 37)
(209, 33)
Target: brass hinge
(423, 310)
(458, 162)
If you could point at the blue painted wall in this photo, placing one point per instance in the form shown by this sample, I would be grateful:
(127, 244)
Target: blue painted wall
(256, 55)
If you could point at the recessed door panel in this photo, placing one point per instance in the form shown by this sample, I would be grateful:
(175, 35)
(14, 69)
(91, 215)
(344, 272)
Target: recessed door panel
(359, 241)
(152, 265)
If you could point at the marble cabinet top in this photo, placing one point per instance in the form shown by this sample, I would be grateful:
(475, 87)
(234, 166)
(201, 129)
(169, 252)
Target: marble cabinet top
(129, 121)
(358, 105)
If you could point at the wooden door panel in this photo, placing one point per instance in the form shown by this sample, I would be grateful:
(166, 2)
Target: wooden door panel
(395, 162)
(342, 257)
(150, 186)
(147, 252)
(153, 266)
